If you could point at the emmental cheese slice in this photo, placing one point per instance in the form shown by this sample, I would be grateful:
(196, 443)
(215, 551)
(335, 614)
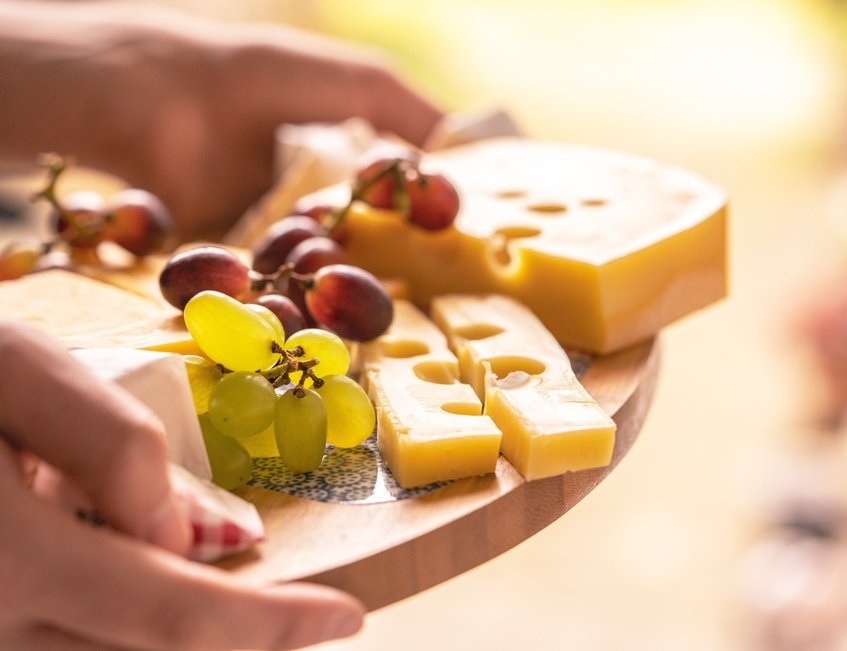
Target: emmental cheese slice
(604, 247)
(80, 312)
(550, 423)
(430, 426)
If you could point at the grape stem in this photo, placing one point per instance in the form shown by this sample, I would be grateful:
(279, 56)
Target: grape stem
(260, 282)
(396, 167)
(289, 362)
(56, 165)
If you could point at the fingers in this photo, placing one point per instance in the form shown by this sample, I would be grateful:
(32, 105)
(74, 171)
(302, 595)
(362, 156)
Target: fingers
(288, 76)
(64, 576)
(137, 595)
(98, 435)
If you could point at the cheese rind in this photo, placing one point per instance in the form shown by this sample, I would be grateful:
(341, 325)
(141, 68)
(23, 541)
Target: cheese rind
(430, 426)
(550, 423)
(159, 380)
(605, 248)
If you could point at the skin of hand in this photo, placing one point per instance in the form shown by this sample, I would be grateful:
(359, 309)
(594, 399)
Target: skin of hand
(68, 585)
(180, 106)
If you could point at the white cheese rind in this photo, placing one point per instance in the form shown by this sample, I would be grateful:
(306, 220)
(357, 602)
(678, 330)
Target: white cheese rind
(158, 380)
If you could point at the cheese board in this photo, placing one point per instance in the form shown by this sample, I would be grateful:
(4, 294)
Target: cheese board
(384, 548)
(604, 248)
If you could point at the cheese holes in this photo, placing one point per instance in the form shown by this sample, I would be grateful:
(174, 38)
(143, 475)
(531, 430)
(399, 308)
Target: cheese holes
(510, 194)
(547, 207)
(595, 202)
(436, 372)
(502, 238)
(513, 372)
(462, 408)
(477, 331)
(403, 348)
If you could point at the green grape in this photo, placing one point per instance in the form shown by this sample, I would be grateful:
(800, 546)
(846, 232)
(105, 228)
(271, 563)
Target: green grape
(271, 318)
(242, 404)
(203, 375)
(231, 464)
(230, 333)
(300, 427)
(327, 347)
(261, 445)
(350, 415)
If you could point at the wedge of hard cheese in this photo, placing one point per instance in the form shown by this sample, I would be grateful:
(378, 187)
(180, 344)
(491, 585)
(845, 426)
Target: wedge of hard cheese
(80, 312)
(430, 425)
(604, 247)
(550, 423)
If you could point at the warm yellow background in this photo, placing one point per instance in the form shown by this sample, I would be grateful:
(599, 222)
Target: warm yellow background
(751, 95)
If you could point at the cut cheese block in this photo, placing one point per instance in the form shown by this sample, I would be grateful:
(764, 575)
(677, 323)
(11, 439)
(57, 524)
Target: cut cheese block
(604, 247)
(80, 312)
(550, 423)
(158, 380)
(430, 426)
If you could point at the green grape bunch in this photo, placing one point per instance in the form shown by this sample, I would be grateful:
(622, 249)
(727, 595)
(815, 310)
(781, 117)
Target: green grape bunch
(253, 384)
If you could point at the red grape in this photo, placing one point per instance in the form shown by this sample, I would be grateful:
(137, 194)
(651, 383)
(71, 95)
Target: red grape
(191, 271)
(314, 253)
(80, 219)
(282, 236)
(286, 310)
(433, 200)
(138, 221)
(379, 184)
(20, 258)
(349, 301)
(323, 213)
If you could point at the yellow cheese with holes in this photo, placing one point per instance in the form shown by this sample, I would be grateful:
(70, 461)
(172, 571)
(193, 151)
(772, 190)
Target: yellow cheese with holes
(550, 423)
(606, 248)
(81, 312)
(430, 425)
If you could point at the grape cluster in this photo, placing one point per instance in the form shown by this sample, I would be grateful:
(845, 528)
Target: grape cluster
(396, 180)
(134, 219)
(299, 268)
(259, 391)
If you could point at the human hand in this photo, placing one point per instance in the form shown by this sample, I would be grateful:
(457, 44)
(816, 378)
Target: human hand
(182, 107)
(66, 585)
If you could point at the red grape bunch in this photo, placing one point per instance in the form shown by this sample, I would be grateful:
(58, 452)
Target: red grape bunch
(342, 298)
(134, 219)
(398, 181)
(299, 268)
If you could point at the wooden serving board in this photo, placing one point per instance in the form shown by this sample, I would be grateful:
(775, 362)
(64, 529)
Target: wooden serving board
(385, 550)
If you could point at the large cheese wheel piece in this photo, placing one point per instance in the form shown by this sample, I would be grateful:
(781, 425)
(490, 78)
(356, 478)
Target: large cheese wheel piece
(550, 423)
(81, 312)
(604, 247)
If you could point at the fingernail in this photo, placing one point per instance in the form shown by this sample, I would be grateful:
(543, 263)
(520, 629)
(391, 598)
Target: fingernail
(169, 528)
(344, 621)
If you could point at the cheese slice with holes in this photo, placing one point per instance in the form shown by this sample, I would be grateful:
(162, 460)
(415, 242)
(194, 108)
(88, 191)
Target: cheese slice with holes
(430, 425)
(550, 423)
(81, 312)
(604, 247)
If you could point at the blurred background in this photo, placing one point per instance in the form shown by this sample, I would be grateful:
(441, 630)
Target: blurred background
(674, 550)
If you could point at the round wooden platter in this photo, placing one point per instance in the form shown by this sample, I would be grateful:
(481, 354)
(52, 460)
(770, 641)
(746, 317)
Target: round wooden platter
(386, 551)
